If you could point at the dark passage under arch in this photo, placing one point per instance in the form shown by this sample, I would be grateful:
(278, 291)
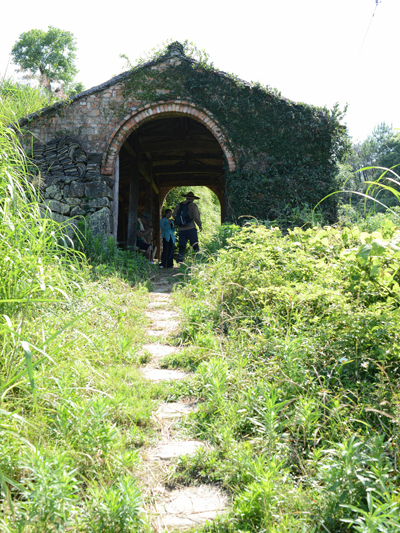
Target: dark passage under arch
(163, 153)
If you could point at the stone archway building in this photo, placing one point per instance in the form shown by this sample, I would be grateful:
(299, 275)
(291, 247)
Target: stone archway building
(117, 149)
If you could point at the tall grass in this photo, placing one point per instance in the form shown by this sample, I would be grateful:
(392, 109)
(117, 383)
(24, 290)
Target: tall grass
(35, 263)
(35, 267)
(18, 100)
(34, 259)
(68, 422)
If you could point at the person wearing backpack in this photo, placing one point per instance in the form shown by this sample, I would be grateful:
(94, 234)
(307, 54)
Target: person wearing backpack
(187, 216)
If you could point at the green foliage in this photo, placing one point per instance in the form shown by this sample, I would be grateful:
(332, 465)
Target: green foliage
(369, 152)
(106, 258)
(391, 156)
(76, 88)
(304, 370)
(70, 413)
(190, 49)
(48, 55)
(50, 490)
(378, 150)
(33, 249)
(115, 509)
(20, 99)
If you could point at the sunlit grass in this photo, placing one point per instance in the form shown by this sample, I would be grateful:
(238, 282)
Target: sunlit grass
(298, 390)
(18, 100)
(73, 406)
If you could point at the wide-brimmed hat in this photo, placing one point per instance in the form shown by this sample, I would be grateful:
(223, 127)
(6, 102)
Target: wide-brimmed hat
(146, 216)
(191, 196)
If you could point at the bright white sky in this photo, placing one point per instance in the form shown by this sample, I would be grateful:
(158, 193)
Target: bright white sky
(311, 50)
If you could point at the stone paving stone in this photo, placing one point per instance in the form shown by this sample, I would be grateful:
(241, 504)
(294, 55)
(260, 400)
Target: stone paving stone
(173, 449)
(164, 332)
(158, 304)
(174, 410)
(159, 350)
(161, 374)
(163, 328)
(189, 507)
(161, 288)
(159, 296)
(160, 315)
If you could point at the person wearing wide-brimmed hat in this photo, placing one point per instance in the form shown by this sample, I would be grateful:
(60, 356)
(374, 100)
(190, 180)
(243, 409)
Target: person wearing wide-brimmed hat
(188, 232)
(144, 232)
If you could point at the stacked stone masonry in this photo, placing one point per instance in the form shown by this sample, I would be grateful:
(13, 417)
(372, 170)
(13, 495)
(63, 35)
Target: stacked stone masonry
(72, 185)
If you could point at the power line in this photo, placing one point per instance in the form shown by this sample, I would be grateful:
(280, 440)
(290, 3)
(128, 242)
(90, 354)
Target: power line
(377, 2)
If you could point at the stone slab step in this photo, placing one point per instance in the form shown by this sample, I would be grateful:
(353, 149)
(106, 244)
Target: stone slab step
(160, 315)
(173, 449)
(190, 507)
(174, 410)
(163, 328)
(161, 374)
(158, 296)
(159, 350)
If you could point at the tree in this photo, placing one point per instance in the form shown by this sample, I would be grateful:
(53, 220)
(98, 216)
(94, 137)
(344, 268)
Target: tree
(380, 149)
(391, 157)
(47, 55)
(367, 153)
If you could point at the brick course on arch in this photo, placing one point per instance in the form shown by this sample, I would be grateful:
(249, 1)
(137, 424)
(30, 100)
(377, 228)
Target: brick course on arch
(162, 109)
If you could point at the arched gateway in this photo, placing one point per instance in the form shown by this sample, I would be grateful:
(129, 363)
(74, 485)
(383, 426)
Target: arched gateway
(118, 148)
(157, 148)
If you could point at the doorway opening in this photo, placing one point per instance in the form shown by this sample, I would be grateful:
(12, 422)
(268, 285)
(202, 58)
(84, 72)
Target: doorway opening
(162, 154)
(209, 207)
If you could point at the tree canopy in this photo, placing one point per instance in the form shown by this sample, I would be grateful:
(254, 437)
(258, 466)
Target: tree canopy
(47, 55)
(391, 156)
(369, 152)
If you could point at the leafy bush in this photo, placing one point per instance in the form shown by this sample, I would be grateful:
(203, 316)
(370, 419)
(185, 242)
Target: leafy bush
(304, 329)
(115, 509)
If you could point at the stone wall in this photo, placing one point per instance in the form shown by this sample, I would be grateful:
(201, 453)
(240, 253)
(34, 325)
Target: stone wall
(72, 186)
(97, 115)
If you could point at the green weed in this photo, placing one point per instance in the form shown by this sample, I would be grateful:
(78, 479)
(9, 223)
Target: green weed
(304, 357)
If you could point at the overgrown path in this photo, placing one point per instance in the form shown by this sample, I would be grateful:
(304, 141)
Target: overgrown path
(178, 508)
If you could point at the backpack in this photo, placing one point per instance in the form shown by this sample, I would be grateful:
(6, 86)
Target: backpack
(182, 216)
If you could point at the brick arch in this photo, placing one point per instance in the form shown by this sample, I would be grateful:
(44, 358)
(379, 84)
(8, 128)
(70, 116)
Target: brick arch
(162, 109)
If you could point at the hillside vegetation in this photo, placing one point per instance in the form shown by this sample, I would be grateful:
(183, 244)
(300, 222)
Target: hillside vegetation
(299, 374)
(18, 100)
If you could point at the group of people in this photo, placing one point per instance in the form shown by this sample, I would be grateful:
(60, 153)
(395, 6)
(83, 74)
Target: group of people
(186, 216)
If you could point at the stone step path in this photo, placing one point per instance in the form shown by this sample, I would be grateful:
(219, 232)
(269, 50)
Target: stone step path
(186, 507)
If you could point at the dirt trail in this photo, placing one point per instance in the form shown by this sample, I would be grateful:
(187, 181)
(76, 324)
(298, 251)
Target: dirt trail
(185, 507)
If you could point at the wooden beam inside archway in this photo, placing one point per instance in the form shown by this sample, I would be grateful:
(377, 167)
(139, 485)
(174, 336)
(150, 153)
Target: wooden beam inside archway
(168, 152)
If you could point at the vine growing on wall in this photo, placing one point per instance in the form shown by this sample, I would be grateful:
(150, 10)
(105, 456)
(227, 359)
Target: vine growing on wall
(287, 153)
